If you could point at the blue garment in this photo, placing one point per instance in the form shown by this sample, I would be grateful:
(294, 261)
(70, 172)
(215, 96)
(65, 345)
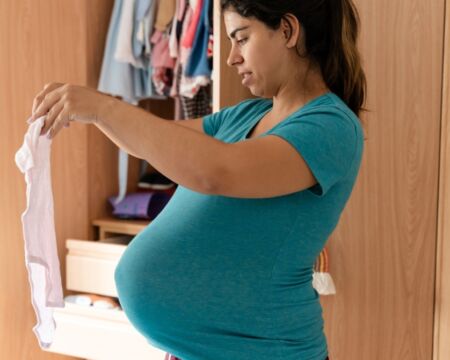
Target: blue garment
(141, 10)
(226, 278)
(198, 63)
(123, 79)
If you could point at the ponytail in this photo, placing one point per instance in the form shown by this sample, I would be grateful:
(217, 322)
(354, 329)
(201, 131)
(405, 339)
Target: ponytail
(341, 67)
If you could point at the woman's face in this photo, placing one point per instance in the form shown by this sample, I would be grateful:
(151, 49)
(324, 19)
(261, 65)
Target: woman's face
(258, 53)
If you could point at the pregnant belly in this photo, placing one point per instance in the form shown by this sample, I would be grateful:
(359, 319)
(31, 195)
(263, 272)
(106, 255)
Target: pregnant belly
(167, 283)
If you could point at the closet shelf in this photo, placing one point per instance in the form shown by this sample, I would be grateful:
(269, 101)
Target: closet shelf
(110, 226)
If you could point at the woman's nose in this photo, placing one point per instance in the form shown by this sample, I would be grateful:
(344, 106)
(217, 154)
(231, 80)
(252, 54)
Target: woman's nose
(234, 58)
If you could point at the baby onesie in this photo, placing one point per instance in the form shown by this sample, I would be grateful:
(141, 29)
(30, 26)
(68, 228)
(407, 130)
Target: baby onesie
(41, 256)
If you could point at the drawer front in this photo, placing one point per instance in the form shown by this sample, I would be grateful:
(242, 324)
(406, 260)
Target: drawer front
(81, 333)
(91, 275)
(90, 265)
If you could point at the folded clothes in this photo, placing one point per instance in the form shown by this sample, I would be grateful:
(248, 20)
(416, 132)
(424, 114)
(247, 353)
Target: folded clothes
(103, 302)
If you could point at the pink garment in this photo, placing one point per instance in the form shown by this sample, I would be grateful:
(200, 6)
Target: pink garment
(160, 56)
(188, 39)
(41, 256)
(162, 79)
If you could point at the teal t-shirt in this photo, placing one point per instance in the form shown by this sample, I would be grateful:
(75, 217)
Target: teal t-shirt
(224, 278)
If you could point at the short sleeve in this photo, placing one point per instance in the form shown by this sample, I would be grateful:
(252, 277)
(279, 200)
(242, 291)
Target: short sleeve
(326, 139)
(212, 122)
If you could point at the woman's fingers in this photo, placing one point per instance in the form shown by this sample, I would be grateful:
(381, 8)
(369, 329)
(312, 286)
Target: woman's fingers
(42, 96)
(52, 115)
(58, 123)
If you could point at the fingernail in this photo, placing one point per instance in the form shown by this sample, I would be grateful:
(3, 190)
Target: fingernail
(30, 120)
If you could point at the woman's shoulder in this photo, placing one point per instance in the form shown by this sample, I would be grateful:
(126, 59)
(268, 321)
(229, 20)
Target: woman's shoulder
(333, 106)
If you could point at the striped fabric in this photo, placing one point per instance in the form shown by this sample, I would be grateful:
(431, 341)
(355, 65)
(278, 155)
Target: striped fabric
(322, 280)
(321, 264)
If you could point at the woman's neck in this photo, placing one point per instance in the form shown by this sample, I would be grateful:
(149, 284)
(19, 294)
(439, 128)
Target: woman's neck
(298, 90)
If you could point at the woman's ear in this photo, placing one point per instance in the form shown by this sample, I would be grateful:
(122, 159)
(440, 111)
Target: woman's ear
(291, 29)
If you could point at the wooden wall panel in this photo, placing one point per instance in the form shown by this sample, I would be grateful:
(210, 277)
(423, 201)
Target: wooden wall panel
(442, 295)
(383, 252)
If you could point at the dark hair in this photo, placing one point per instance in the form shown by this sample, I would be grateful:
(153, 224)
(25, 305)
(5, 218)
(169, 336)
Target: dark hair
(331, 29)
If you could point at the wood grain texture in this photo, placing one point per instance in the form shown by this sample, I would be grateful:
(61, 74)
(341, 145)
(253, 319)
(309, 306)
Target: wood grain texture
(442, 296)
(382, 254)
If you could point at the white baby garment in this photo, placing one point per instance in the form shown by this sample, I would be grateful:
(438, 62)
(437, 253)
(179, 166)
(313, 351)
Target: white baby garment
(41, 256)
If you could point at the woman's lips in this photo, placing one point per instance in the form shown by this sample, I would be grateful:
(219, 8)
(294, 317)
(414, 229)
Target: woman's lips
(246, 77)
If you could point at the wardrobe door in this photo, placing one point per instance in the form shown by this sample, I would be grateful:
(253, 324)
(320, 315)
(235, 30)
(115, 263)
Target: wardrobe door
(382, 253)
(442, 298)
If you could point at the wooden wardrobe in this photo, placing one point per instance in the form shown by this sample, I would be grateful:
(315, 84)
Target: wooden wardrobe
(389, 255)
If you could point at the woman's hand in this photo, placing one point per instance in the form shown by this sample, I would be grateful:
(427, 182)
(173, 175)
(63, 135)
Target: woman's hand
(64, 103)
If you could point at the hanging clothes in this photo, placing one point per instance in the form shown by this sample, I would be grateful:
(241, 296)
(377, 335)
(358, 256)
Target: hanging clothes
(192, 81)
(199, 64)
(139, 61)
(188, 37)
(165, 14)
(124, 46)
(182, 53)
(177, 23)
(162, 62)
(123, 79)
(198, 106)
(143, 22)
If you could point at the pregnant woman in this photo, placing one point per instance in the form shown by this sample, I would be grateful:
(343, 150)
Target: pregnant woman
(225, 270)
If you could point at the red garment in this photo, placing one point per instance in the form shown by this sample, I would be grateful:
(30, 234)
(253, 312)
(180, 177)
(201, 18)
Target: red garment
(188, 38)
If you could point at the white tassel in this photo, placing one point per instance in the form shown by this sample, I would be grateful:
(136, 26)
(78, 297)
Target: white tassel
(323, 283)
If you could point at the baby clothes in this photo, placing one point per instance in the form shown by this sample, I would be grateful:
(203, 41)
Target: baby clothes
(124, 46)
(41, 256)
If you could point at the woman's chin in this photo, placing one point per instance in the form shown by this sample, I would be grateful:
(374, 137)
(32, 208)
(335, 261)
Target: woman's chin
(254, 91)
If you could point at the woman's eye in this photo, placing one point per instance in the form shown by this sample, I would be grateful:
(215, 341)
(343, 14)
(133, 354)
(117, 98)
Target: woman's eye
(242, 41)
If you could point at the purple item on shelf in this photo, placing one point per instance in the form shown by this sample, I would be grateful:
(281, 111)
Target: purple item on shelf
(141, 205)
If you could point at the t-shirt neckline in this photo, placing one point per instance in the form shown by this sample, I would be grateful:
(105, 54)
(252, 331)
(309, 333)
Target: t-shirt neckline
(259, 118)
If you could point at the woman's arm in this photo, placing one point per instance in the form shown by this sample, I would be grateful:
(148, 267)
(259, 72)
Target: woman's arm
(184, 155)
(195, 124)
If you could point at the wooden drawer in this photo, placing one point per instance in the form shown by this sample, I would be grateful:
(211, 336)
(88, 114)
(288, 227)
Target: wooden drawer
(90, 264)
(99, 334)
